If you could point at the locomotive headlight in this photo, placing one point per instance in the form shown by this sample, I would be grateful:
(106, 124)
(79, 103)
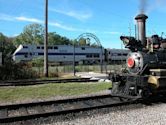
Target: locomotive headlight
(135, 62)
(130, 62)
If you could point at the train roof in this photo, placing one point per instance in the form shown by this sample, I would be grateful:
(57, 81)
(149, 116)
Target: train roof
(118, 50)
(34, 46)
(30, 45)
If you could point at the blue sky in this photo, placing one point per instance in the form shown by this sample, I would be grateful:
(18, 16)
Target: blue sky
(107, 19)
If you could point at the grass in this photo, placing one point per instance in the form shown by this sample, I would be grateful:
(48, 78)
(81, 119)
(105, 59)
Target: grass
(13, 94)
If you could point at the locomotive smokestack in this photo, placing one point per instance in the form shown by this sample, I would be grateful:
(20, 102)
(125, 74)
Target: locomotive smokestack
(141, 25)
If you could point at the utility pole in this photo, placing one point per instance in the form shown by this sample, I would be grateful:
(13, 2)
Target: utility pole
(46, 41)
(101, 60)
(74, 71)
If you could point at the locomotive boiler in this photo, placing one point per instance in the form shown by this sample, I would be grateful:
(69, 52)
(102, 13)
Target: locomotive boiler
(145, 63)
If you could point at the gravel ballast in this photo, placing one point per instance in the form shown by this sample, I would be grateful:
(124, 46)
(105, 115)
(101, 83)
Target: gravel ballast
(134, 114)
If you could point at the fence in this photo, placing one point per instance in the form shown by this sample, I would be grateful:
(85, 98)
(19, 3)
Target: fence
(57, 70)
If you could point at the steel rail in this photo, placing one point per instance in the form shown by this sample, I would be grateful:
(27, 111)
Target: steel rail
(35, 82)
(22, 112)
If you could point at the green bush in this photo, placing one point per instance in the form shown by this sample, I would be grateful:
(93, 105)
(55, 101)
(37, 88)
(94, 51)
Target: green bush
(10, 71)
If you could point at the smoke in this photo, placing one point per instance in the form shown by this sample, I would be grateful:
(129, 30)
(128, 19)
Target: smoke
(143, 6)
(157, 5)
(146, 6)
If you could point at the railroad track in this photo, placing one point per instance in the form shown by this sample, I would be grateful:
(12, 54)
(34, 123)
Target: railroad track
(35, 82)
(22, 112)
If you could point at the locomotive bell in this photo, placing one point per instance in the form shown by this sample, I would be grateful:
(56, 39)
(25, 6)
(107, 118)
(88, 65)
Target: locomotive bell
(141, 26)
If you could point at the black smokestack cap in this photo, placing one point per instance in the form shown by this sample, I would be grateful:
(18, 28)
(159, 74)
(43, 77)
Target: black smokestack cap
(141, 16)
(141, 26)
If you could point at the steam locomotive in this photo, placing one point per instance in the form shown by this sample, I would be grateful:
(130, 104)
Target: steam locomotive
(145, 64)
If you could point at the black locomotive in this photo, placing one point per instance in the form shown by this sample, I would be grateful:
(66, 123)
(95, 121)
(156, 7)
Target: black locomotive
(146, 65)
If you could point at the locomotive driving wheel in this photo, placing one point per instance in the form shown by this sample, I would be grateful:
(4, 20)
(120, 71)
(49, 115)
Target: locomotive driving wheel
(145, 93)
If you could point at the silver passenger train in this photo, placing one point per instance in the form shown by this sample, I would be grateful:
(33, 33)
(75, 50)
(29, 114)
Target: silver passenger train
(63, 54)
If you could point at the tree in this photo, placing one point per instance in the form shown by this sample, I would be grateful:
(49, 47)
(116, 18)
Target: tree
(55, 39)
(82, 42)
(94, 45)
(6, 47)
(2, 38)
(32, 34)
(75, 42)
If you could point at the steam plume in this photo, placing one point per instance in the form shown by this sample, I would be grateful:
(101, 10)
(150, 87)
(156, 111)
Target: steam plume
(143, 6)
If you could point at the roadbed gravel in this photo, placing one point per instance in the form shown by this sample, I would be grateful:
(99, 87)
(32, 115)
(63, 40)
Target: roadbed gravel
(134, 114)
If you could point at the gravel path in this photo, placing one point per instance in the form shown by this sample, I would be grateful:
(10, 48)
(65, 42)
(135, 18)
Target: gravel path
(135, 114)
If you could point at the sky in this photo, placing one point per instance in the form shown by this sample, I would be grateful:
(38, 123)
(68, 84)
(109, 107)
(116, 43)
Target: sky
(107, 19)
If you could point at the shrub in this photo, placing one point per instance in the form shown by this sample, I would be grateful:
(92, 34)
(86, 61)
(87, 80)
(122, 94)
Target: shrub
(10, 71)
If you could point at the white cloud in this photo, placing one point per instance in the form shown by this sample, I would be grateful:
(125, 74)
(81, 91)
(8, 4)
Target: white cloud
(159, 5)
(26, 19)
(112, 32)
(6, 17)
(75, 14)
(69, 28)
(51, 23)
(55, 24)
(35, 20)
(14, 35)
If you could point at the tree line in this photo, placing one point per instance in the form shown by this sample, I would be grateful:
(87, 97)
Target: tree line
(31, 34)
(34, 34)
